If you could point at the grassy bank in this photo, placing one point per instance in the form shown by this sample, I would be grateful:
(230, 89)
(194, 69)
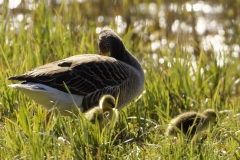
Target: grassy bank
(175, 82)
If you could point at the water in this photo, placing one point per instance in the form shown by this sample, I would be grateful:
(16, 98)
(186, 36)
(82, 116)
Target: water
(211, 26)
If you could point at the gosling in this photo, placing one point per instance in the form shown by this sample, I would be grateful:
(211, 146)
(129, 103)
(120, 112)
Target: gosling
(97, 113)
(191, 123)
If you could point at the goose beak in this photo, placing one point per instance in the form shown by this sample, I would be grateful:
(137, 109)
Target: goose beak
(104, 53)
(101, 53)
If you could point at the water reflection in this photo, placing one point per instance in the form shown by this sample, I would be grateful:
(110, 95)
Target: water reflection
(210, 26)
(201, 6)
(121, 25)
(13, 3)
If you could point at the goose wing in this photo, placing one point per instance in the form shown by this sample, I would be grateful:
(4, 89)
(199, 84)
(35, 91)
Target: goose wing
(83, 74)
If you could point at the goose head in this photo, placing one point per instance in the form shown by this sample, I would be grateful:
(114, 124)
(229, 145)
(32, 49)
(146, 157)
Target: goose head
(109, 41)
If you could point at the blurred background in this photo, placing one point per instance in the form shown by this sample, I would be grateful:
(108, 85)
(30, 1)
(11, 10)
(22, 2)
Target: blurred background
(189, 51)
(211, 26)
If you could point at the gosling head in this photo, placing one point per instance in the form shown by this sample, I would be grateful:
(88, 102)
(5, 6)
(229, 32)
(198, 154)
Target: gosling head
(210, 120)
(106, 104)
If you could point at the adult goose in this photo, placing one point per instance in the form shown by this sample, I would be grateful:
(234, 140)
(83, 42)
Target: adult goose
(191, 123)
(97, 113)
(87, 77)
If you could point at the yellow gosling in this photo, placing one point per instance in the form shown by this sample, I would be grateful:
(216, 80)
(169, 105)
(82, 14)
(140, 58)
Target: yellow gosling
(97, 113)
(191, 123)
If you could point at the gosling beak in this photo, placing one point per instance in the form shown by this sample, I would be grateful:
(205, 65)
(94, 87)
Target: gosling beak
(115, 115)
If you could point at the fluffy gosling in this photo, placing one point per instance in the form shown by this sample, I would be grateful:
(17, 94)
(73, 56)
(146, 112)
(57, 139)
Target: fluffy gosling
(191, 123)
(106, 104)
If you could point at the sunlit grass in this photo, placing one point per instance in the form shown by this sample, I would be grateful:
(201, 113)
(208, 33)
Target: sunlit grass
(179, 83)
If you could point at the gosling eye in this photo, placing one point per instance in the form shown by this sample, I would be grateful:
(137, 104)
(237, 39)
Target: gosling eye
(111, 104)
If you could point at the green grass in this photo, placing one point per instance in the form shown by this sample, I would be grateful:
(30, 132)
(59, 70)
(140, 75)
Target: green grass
(139, 134)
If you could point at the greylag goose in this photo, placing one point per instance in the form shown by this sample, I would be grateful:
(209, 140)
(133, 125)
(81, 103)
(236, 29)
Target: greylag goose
(191, 123)
(87, 77)
(106, 104)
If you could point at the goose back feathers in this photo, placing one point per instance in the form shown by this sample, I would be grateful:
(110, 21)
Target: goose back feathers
(88, 77)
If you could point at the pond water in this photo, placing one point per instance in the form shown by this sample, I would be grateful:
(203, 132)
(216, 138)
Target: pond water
(193, 25)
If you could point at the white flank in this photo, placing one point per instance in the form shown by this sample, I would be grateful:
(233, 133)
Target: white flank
(50, 97)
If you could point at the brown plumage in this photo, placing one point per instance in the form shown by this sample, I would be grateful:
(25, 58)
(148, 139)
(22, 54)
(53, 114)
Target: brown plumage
(191, 123)
(88, 77)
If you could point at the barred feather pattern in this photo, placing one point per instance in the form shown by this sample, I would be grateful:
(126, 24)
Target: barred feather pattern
(91, 75)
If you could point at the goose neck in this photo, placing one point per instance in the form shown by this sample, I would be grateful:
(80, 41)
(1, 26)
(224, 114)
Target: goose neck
(127, 58)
